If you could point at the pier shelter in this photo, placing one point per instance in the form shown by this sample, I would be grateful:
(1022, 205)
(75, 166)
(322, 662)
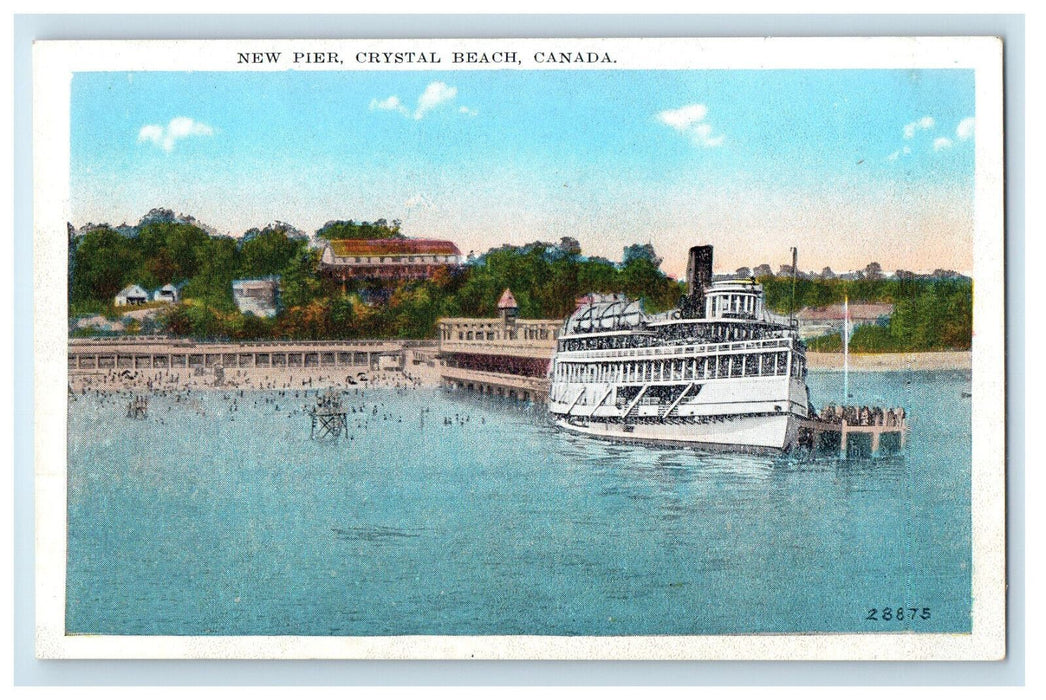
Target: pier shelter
(504, 356)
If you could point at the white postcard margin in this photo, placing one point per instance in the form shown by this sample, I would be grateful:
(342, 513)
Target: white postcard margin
(56, 62)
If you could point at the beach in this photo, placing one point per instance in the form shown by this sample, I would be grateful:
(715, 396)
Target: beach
(891, 362)
(243, 379)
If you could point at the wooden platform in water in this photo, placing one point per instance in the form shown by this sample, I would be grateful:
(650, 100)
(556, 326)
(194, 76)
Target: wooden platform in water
(850, 421)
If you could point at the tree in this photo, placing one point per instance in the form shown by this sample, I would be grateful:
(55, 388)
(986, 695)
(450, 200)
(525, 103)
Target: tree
(640, 252)
(569, 246)
(299, 282)
(268, 253)
(334, 230)
(104, 263)
(212, 284)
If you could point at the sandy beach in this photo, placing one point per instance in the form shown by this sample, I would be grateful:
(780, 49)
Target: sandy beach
(891, 362)
(244, 379)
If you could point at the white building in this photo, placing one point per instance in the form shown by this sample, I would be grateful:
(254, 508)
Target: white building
(259, 297)
(167, 293)
(131, 295)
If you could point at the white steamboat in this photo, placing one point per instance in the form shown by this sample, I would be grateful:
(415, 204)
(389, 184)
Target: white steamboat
(719, 372)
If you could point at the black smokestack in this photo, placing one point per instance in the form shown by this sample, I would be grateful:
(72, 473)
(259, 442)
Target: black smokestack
(698, 276)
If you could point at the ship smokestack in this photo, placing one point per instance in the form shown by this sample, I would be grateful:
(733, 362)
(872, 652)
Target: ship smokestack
(698, 277)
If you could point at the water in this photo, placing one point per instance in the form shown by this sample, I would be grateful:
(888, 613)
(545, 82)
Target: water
(205, 520)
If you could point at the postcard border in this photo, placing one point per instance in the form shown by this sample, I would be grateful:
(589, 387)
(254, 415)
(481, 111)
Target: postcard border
(989, 536)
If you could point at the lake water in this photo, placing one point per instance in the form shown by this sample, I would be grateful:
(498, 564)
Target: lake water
(220, 518)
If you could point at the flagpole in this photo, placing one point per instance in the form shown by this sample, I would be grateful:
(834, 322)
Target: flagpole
(846, 349)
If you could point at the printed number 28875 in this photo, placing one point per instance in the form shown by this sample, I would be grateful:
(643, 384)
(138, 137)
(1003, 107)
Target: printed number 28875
(898, 614)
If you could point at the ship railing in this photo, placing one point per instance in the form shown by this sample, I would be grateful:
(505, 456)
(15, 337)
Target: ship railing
(681, 350)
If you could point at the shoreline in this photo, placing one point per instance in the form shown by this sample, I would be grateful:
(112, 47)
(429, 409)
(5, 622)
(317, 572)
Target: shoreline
(892, 362)
(426, 376)
(261, 379)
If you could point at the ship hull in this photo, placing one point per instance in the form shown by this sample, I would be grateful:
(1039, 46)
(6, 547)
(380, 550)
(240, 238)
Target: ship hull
(737, 433)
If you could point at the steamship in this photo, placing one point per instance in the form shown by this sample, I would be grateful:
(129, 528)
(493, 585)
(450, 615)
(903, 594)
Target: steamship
(718, 372)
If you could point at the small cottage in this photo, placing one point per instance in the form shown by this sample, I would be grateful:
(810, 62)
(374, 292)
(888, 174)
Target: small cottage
(167, 293)
(131, 295)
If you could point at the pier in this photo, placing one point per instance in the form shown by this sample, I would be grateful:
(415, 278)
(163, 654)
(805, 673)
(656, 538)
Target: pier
(504, 356)
(837, 426)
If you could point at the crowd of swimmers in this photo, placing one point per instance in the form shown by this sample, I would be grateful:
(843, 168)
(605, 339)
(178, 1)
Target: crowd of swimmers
(154, 395)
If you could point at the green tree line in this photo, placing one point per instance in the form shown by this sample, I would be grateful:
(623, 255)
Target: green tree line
(545, 278)
(928, 315)
(103, 261)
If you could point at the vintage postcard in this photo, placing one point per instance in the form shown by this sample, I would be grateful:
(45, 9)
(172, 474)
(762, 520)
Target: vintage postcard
(520, 349)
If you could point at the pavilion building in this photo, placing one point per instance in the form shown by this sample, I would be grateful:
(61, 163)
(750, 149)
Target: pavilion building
(388, 258)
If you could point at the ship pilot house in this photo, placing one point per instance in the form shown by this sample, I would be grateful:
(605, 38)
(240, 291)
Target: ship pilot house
(694, 321)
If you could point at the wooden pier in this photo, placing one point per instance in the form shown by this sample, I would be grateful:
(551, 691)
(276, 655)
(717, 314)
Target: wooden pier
(841, 423)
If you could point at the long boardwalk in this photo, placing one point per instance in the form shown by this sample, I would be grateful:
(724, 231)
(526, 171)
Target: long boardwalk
(134, 353)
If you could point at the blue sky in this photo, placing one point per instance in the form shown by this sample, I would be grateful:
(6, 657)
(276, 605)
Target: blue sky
(850, 166)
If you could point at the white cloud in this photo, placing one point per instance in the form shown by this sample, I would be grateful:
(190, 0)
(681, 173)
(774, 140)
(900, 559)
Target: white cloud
(965, 129)
(681, 119)
(435, 94)
(151, 132)
(389, 104)
(899, 153)
(177, 129)
(921, 124)
(941, 143)
(689, 120)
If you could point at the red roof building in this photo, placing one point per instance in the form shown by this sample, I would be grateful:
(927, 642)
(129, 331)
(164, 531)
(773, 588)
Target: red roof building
(388, 258)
